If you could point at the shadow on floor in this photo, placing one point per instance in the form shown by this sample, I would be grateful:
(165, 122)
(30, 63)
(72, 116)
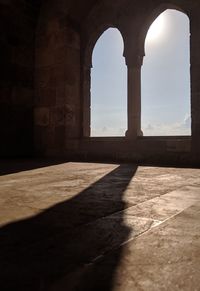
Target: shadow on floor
(55, 249)
(14, 166)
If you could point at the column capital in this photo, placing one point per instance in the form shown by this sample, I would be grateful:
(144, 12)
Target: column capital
(134, 61)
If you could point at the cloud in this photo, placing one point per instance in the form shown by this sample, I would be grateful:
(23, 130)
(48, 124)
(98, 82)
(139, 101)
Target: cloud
(149, 127)
(178, 128)
(108, 131)
(161, 129)
(187, 121)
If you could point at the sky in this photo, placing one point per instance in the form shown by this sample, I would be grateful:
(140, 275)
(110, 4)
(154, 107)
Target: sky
(109, 86)
(165, 84)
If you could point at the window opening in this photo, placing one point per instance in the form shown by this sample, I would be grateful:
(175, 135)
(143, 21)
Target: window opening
(165, 102)
(109, 86)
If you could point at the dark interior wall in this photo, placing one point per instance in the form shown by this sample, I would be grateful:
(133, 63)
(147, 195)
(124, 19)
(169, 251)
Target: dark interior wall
(66, 34)
(45, 62)
(57, 78)
(17, 37)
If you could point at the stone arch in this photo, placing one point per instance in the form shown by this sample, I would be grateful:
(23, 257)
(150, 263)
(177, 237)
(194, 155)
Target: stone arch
(91, 42)
(151, 18)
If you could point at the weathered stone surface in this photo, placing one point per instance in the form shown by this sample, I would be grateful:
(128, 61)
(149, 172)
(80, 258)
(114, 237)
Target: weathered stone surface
(76, 226)
(17, 46)
(42, 116)
(46, 57)
(89, 227)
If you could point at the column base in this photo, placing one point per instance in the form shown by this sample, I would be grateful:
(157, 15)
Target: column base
(130, 134)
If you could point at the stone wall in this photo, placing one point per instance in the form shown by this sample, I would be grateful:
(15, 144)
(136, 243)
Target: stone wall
(133, 20)
(17, 30)
(57, 79)
(65, 40)
(45, 78)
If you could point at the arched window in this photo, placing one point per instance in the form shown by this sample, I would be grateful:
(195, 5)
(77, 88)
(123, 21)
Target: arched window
(109, 86)
(166, 108)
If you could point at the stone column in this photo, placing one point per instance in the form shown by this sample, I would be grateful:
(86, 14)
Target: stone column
(134, 101)
(86, 102)
(195, 84)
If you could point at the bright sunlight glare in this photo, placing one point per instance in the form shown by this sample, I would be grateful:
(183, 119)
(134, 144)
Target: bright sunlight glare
(156, 29)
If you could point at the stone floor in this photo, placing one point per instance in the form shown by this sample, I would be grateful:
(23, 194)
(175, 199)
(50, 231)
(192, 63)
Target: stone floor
(86, 226)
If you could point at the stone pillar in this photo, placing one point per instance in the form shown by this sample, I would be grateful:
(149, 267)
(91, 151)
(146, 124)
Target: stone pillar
(134, 101)
(86, 101)
(195, 84)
